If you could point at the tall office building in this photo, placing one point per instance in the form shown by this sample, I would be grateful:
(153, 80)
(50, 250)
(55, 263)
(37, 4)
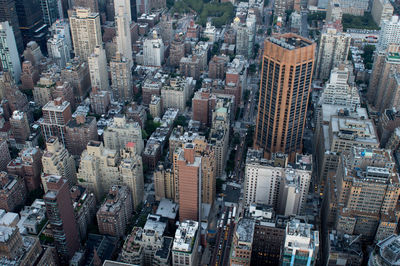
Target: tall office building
(9, 56)
(50, 10)
(123, 21)
(8, 12)
(98, 69)
(333, 50)
(286, 75)
(61, 217)
(31, 21)
(121, 78)
(85, 30)
(58, 50)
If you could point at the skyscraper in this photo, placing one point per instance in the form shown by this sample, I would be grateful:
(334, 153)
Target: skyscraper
(8, 51)
(98, 69)
(121, 78)
(122, 21)
(61, 217)
(51, 11)
(286, 76)
(85, 31)
(8, 12)
(31, 21)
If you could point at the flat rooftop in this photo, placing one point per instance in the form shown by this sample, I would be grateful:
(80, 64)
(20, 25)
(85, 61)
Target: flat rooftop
(290, 41)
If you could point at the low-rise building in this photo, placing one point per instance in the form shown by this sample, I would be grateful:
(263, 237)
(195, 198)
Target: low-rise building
(186, 242)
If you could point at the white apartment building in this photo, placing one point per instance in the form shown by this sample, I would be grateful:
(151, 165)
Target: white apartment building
(186, 242)
(153, 51)
(390, 33)
(98, 69)
(268, 181)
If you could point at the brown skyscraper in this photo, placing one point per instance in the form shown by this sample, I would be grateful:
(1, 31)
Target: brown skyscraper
(287, 69)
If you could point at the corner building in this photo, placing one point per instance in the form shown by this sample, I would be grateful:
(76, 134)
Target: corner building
(286, 75)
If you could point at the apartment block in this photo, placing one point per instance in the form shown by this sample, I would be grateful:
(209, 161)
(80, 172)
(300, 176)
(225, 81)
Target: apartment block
(29, 166)
(120, 132)
(242, 242)
(277, 183)
(56, 160)
(12, 192)
(99, 101)
(115, 212)
(77, 74)
(78, 132)
(56, 115)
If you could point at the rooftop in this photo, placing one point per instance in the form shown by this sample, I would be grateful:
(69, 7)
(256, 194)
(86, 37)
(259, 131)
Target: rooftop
(245, 230)
(290, 41)
(185, 236)
(167, 208)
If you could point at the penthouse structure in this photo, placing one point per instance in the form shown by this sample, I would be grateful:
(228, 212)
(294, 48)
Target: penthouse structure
(186, 242)
(116, 211)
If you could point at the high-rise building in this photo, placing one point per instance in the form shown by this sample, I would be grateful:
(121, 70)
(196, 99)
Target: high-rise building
(51, 10)
(164, 185)
(57, 161)
(115, 212)
(333, 50)
(61, 217)
(9, 56)
(101, 168)
(121, 78)
(61, 28)
(389, 33)
(386, 65)
(242, 243)
(56, 115)
(29, 166)
(153, 51)
(99, 101)
(350, 206)
(301, 244)
(189, 176)
(286, 75)
(8, 12)
(59, 50)
(29, 76)
(176, 50)
(131, 170)
(277, 183)
(381, 10)
(120, 132)
(5, 156)
(98, 69)
(78, 132)
(31, 21)
(123, 21)
(186, 243)
(12, 192)
(20, 127)
(85, 31)
(84, 203)
(177, 93)
(77, 74)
